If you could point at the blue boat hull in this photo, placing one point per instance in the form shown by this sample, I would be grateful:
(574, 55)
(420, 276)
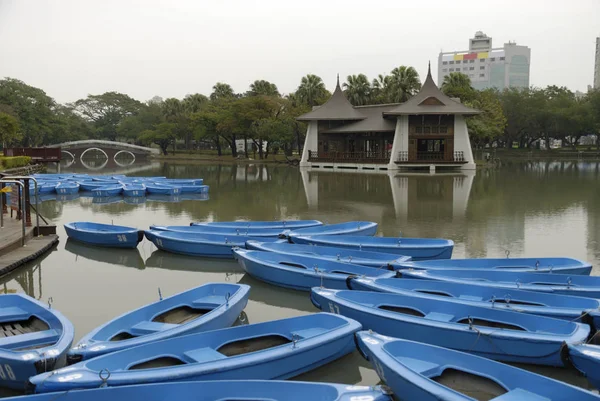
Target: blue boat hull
(272, 390)
(291, 347)
(213, 246)
(357, 228)
(107, 191)
(90, 186)
(194, 189)
(586, 359)
(134, 191)
(282, 225)
(417, 371)
(36, 339)
(417, 248)
(299, 272)
(496, 334)
(124, 237)
(230, 232)
(66, 190)
(221, 303)
(163, 190)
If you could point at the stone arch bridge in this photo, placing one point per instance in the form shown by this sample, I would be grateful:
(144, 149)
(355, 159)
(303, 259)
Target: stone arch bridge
(77, 150)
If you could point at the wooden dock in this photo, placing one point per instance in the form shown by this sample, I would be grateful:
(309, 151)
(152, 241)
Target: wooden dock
(12, 253)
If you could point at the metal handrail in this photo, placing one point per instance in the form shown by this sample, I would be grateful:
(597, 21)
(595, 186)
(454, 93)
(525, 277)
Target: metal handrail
(23, 217)
(37, 215)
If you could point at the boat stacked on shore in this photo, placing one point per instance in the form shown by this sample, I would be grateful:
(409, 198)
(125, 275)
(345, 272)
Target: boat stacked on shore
(433, 328)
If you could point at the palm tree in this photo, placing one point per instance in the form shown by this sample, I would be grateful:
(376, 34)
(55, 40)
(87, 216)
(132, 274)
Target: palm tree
(457, 84)
(260, 87)
(379, 88)
(358, 89)
(222, 91)
(311, 90)
(403, 83)
(193, 103)
(171, 108)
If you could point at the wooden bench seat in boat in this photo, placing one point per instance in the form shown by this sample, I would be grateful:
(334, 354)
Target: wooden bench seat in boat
(13, 313)
(518, 394)
(30, 339)
(422, 367)
(204, 355)
(147, 327)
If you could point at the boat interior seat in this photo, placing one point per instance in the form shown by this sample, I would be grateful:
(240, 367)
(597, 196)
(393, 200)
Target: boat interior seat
(13, 313)
(470, 298)
(518, 394)
(209, 302)
(204, 355)
(147, 327)
(30, 339)
(427, 369)
(307, 333)
(440, 317)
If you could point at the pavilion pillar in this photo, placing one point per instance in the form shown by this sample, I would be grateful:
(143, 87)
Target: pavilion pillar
(311, 142)
(400, 141)
(462, 142)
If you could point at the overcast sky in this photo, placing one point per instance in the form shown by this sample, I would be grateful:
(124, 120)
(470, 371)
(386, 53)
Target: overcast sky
(72, 48)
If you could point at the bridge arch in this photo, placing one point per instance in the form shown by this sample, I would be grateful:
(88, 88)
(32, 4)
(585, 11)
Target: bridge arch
(118, 163)
(94, 168)
(72, 161)
(88, 149)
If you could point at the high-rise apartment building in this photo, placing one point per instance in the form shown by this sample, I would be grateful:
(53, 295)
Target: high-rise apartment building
(597, 66)
(488, 67)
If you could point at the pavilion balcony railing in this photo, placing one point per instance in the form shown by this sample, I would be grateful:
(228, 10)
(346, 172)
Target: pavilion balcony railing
(382, 157)
(459, 156)
(430, 156)
(402, 156)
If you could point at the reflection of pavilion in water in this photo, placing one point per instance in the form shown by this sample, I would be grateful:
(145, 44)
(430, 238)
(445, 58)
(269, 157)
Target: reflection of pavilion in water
(28, 278)
(413, 195)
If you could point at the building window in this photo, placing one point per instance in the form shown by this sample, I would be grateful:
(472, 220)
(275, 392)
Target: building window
(493, 59)
(445, 62)
(471, 61)
(465, 68)
(501, 58)
(482, 60)
(482, 75)
(445, 70)
(482, 67)
(427, 130)
(451, 62)
(471, 68)
(419, 129)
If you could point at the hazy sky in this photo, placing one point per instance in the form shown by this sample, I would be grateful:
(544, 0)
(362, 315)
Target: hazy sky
(71, 48)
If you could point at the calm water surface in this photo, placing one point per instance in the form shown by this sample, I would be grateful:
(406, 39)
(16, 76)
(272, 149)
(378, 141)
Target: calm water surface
(529, 209)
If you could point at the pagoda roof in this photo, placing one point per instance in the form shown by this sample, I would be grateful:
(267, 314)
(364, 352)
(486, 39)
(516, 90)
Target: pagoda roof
(430, 100)
(336, 108)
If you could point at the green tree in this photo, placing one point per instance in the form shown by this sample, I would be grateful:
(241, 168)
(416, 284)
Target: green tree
(403, 83)
(66, 125)
(163, 135)
(222, 91)
(106, 111)
(260, 87)
(358, 89)
(312, 90)
(9, 129)
(379, 89)
(458, 85)
(194, 103)
(489, 125)
(149, 116)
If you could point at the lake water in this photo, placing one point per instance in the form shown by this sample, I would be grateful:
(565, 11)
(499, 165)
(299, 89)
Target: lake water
(528, 209)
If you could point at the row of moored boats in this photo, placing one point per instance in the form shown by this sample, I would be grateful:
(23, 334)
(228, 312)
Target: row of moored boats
(432, 322)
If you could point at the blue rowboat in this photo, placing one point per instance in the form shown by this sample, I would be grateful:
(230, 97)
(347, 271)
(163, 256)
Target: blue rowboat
(47, 188)
(208, 245)
(363, 258)
(562, 284)
(162, 189)
(565, 307)
(272, 390)
(352, 228)
(104, 234)
(232, 232)
(108, 190)
(586, 359)
(282, 224)
(35, 339)
(300, 272)
(67, 188)
(100, 178)
(540, 265)
(417, 248)
(416, 371)
(183, 181)
(194, 189)
(90, 185)
(134, 189)
(493, 333)
(208, 307)
(279, 349)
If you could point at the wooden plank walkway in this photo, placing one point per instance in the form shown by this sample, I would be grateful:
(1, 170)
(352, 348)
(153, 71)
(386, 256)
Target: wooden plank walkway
(12, 254)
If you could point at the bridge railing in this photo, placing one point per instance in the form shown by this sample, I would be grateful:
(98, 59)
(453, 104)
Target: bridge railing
(112, 144)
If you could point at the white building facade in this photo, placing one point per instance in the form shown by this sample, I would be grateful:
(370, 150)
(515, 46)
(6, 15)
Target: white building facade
(597, 66)
(488, 67)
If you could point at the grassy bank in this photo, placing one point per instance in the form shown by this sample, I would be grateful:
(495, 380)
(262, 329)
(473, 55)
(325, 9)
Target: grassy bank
(14, 162)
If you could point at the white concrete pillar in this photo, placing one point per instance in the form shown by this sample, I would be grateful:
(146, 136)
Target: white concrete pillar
(311, 142)
(462, 142)
(400, 141)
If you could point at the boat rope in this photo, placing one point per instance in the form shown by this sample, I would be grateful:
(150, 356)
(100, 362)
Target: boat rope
(50, 301)
(487, 336)
(592, 339)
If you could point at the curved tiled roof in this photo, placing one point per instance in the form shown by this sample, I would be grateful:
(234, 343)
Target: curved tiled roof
(336, 108)
(431, 100)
